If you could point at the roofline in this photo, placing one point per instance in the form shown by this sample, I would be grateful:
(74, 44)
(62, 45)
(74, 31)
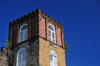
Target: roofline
(38, 11)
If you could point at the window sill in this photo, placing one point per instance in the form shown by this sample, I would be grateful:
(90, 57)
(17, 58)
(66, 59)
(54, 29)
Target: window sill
(53, 45)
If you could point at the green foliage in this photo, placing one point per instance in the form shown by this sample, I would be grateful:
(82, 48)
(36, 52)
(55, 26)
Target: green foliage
(9, 53)
(4, 45)
(9, 45)
(35, 63)
(67, 46)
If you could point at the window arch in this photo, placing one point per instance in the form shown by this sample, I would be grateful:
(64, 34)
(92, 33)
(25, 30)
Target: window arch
(52, 35)
(23, 33)
(21, 57)
(53, 58)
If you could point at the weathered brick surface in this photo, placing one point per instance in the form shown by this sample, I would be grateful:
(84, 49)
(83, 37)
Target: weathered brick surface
(42, 26)
(38, 50)
(58, 33)
(44, 53)
(32, 53)
(44, 22)
(62, 38)
(38, 45)
(14, 27)
(38, 23)
(3, 57)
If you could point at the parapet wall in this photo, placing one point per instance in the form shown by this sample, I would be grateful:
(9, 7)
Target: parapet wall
(3, 57)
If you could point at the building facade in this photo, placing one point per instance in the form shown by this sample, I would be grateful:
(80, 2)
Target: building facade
(37, 40)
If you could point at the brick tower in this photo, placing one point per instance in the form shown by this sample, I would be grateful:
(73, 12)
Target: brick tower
(37, 40)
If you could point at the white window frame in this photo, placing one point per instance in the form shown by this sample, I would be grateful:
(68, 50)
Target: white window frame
(51, 37)
(53, 55)
(22, 34)
(21, 57)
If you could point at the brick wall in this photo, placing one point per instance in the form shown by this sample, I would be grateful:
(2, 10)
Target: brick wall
(14, 27)
(44, 53)
(3, 57)
(38, 23)
(44, 22)
(32, 53)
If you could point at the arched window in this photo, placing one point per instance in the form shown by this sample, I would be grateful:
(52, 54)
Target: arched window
(52, 36)
(53, 58)
(21, 57)
(23, 33)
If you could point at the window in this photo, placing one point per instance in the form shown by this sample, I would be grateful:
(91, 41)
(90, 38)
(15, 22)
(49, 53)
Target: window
(23, 33)
(53, 58)
(21, 57)
(52, 36)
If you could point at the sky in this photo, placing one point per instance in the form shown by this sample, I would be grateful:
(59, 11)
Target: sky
(81, 20)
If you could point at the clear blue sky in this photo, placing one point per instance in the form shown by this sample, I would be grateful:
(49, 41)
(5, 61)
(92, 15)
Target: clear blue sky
(81, 20)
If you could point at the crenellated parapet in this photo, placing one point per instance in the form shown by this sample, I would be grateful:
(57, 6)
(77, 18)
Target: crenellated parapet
(35, 37)
(38, 22)
(32, 13)
(50, 18)
(24, 17)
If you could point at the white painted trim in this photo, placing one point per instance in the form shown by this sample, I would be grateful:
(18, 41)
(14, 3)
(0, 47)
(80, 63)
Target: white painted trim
(53, 52)
(53, 32)
(22, 26)
(52, 26)
(54, 55)
(23, 32)
(18, 55)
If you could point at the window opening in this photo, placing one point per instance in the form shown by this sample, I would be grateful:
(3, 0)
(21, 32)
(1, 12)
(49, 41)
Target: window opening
(53, 58)
(23, 33)
(21, 57)
(52, 34)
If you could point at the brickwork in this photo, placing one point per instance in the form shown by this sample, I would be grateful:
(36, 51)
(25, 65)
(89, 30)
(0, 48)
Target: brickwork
(32, 53)
(3, 57)
(38, 23)
(42, 26)
(58, 33)
(44, 53)
(14, 27)
(38, 45)
(44, 22)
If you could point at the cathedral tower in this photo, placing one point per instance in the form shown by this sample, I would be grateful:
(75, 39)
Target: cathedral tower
(37, 40)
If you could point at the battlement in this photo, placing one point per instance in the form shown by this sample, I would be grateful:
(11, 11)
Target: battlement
(32, 13)
(35, 37)
(50, 18)
(38, 22)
